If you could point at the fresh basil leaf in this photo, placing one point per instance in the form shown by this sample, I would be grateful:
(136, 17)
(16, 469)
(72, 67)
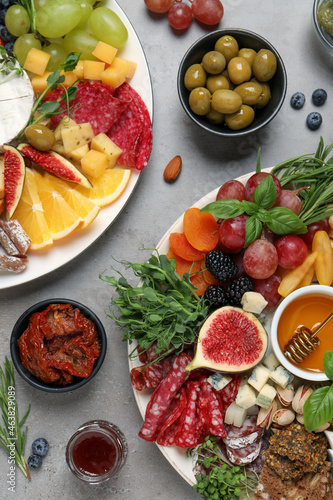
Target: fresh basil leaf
(264, 215)
(328, 364)
(284, 221)
(224, 209)
(253, 228)
(265, 193)
(71, 61)
(250, 207)
(48, 107)
(318, 408)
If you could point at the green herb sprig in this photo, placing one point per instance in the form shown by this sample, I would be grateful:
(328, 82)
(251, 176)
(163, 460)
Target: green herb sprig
(221, 479)
(164, 308)
(11, 433)
(9, 67)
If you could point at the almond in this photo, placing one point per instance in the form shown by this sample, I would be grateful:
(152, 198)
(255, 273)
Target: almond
(173, 168)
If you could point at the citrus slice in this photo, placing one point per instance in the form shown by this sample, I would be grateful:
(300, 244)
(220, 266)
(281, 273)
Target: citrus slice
(83, 207)
(60, 217)
(107, 187)
(30, 214)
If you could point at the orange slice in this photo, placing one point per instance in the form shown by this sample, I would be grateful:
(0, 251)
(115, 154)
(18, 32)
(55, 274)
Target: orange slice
(30, 214)
(107, 187)
(83, 207)
(60, 217)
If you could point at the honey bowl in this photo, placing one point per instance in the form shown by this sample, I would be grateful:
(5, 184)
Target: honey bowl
(308, 306)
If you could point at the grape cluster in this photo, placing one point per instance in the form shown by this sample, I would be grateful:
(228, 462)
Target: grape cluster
(7, 39)
(180, 13)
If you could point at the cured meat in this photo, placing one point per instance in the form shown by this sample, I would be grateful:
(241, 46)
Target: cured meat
(214, 411)
(249, 426)
(145, 142)
(186, 436)
(167, 434)
(148, 355)
(246, 455)
(258, 464)
(167, 437)
(94, 103)
(229, 392)
(149, 377)
(162, 396)
(241, 442)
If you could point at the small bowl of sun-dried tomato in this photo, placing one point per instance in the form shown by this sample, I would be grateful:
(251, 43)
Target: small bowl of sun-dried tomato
(58, 345)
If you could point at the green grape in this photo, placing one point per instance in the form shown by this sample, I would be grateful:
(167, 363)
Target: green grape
(92, 2)
(58, 56)
(23, 44)
(86, 11)
(57, 18)
(17, 20)
(40, 3)
(81, 41)
(108, 27)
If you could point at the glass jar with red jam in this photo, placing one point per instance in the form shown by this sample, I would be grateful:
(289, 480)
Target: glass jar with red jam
(96, 451)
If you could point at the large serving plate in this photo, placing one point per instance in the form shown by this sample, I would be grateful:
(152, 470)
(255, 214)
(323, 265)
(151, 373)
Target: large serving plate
(63, 251)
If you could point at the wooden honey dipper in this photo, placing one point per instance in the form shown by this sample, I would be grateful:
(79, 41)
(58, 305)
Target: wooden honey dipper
(304, 342)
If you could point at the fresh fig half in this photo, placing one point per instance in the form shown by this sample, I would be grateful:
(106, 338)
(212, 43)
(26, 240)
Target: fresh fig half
(230, 340)
(14, 171)
(56, 164)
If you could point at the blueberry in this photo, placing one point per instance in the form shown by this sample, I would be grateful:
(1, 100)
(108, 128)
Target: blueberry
(9, 46)
(35, 461)
(40, 447)
(319, 97)
(297, 100)
(6, 3)
(2, 16)
(314, 120)
(5, 35)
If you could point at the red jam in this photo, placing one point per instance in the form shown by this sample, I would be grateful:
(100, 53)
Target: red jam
(94, 453)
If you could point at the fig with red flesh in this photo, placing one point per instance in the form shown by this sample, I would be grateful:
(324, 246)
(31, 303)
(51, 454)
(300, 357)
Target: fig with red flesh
(230, 340)
(14, 172)
(56, 164)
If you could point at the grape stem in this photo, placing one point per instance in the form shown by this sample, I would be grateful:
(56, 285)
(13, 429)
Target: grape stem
(29, 6)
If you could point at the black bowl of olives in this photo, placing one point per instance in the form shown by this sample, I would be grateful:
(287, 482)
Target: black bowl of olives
(232, 82)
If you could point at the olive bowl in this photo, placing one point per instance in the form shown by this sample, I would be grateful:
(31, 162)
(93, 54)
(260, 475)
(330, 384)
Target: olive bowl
(245, 39)
(323, 36)
(21, 325)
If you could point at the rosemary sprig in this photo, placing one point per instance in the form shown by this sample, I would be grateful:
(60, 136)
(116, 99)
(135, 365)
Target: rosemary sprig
(11, 435)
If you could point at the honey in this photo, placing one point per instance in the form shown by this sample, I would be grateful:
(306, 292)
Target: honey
(309, 311)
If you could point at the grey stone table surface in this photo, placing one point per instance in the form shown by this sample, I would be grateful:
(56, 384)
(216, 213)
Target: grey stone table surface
(154, 205)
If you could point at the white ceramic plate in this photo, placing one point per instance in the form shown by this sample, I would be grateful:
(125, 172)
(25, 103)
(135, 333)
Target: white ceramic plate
(63, 251)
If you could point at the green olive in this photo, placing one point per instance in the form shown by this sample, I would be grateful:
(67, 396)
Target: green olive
(215, 82)
(250, 92)
(239, 70)
(228, 46)
(248, 55)
(213, 62)
(265, 94)
(241, 119)
(226, 101)
(199, 101)
(215, 117)
(40, 137)
(264, 65)
(195, 76)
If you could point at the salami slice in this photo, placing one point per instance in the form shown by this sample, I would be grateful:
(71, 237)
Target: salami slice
(167, 437)
(241, 442)
(94, 103)
(186, 436)
(162, 396)
(243, 456)
(215, 425)
(145, 142)
(229, 392)
(249, 426)
(202, 418)
(149, 377)
(167, 434)
(148, 355)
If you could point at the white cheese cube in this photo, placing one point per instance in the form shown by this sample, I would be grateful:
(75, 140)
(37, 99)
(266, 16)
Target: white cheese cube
(253, 302)
(259, 377)
(219, 380)
(266, 396)
(271, 362)
(246, 396)
(281, 376)
(235, 415)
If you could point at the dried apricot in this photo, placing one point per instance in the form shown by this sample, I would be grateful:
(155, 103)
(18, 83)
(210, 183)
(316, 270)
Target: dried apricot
(324, 263)
(291, 281)
(201, 229)
(183, 248)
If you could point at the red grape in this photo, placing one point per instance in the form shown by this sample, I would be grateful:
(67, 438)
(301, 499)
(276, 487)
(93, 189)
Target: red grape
(255, 180)
(269, 289)
(291, 250)
(159, 6)
(232, 232)
(207, 11)
(321, 225)
(260, 259)
(231, 190)
(289, 199)
(180, 16)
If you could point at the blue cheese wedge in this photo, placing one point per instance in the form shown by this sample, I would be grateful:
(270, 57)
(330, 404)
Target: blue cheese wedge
(281, 376)
(219, 380)
(16, 101)
(259, 377)
(266, 396)
(271, 362)
(246, 396)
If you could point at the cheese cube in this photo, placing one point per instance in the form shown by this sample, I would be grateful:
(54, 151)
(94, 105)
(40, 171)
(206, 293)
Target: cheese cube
(92, 70)
(266, 396)
(103, 143)
(281, 376)
(65, 123)
(235, 415)
(113, 77)
(259, 377)
(36, 61)
(39, 82)
(104, 52)
(246, 396)
(76, 136)
(253, 302)
(219, 380)
(58, 148)
(271, 362)
(79, 153)
(70, 78)
(78, 71)
(94, 163)
(128, 67)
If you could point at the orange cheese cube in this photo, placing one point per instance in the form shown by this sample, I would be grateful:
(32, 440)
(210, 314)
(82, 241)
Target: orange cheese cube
(104, 52)
(125, 65)
(78, 153)
(70, 78)
(103, 143)
(36, 61)
(113, 77)
(92, 69)
(78, 71)
(39, 82)
(94, 163)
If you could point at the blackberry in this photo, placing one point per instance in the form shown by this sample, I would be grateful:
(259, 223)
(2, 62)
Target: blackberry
(237, 288)
(216, 295)
(220, 265)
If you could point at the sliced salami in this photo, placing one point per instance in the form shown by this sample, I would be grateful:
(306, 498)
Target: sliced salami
(258, 463)
(186, 436)
(249, 426)
(229, 392)
(241, 442)
(243, 456)
(215, 425)
(176, 408)
(167, 437)
(202, 418)
(149, 377)
(148, 355)
(145, 142)
(162, 396)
